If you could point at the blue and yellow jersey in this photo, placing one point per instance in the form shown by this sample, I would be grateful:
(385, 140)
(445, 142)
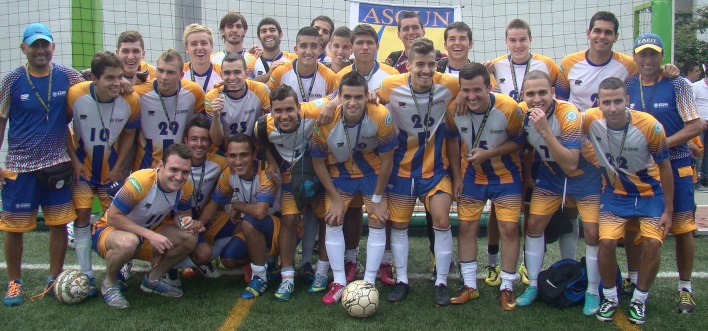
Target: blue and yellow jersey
(633, 171)
(565, 122)
(379, 72)
(240, 114)
(505, 77)
(255, 65)
(504, 123)
(323, 81)
(421, 151)
(36, 137)
(354, 153)
(97, 127)
(161, 126)
(144, 201)
(292, 145)
(218, 57)
(205, 80)
(670, 101)
(580, 79)
(231, 187)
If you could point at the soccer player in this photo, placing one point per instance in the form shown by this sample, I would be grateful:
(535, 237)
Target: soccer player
(237, 104)
(232, 28)
(325, 27)
(458, 44)
(198, 43)
(166, 105)
(33, 101)
(427, 146)
(492, 136)
(632, 150)
(353, 155)
(289, 128)
(410, 27)
(670, 101)
(256, 209)
(133, 226)
(270, 35)
(553, 128)
(104, 131)
(340, 49)
(312, 79)
(131, 51)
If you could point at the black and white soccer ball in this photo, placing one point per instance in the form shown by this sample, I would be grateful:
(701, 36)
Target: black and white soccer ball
(360, 299)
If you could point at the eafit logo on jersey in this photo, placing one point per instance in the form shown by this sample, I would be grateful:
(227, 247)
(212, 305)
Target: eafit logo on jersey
(661, 105)
(56, 94)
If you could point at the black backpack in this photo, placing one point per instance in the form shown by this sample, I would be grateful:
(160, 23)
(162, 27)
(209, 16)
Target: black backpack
(564, 283)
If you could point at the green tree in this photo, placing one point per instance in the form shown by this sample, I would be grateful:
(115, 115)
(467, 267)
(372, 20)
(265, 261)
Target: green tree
(687, 46)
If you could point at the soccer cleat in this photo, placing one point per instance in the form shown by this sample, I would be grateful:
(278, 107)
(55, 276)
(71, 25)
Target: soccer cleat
(684, 302)
(124, 274)
(219, 264)
(273, 272)
(524, 275)
(465, 294)
(592, 304)
(15, 293)
(307, 273)
(256, 287)
(398, 293)
(701, 189)
(208, 271)
(493, 276)
(506, 297)
(627, 287)
(93, 291)
(441, 295)
(637, 312)
(285, 290)
(606, 312)
(319, 284)
(334, 294)
(528, 297)
(113, 297)
(49, 284)
(386, 274)
(189, 272)
(160, 287)
(172, 278)
(350, 269)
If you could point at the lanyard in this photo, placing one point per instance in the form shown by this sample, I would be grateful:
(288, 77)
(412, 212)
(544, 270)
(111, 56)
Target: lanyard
(170, 123)
(206, 80)
(513, 75)
(358, 134)
(305, 98)
(197, 189)
(264, 61)
(36, 93)
(478, 133)
(617, 161)
(424, 121)
(250, 189)
(400, 60)
(299, 123)
(371, 72)
(110, 119)
(651, 97)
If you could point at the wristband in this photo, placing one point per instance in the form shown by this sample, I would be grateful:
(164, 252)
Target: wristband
(376, 198)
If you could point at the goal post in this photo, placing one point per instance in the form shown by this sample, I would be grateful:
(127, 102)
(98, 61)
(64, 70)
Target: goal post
(86, 31)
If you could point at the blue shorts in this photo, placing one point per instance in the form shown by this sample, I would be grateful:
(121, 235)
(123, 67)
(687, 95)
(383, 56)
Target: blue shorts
(22, 196)
(578, 187)
(403, 193)
(632, 207)
(683, 220)
(364, 185)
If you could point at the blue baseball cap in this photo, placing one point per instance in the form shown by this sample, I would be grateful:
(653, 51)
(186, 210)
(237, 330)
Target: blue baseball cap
(36, 31)
(648, 40)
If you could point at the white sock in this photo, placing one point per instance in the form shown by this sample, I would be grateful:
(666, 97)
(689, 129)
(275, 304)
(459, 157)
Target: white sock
(82, 240)
(334, 240)
(351, 254)
(568, 242)
(633, 276)
(469, 273)
(685, 284)
(443, 254)
(288, 274)
(399, 248)
(375, 245)
(640, 295)
(322, 267)
(259, 270)
(388, 255)
(186, 263)
(493, 259)
(534, 257)
(311, 228)
(507, 281)
(611, 294)
(593, 268)
(219, 245)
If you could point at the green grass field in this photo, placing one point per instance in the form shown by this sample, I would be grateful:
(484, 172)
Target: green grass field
(207, 304)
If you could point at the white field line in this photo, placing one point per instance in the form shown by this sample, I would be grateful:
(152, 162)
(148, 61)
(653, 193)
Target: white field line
(238, 272)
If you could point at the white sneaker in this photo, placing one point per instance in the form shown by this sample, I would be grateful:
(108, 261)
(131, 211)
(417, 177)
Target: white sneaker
(208, 271)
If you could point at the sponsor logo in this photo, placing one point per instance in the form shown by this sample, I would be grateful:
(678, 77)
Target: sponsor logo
(319, 103)
(496, 131)
(571, 116)
(401, 104)
(83, 117)
(136, 184)
(519, 112)
(151, 113)
(58, 94)
(250, 111)
(631, 149)
(148, 205)
(25, 205)
(361, 146)
(578, 82)
(438, 102)
(237, 189)
(661, 104)
(117, 120)
(464, 129)
(631, 106)
(502, 80)
(657, 128)
(340, 145)
(182, 111)
(24, 97)
(223, 113)
(388, 119)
